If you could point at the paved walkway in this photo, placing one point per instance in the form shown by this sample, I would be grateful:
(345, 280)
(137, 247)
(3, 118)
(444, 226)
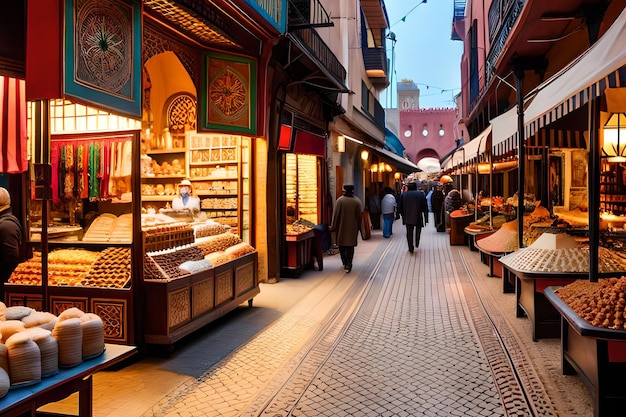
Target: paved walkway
(422, 334)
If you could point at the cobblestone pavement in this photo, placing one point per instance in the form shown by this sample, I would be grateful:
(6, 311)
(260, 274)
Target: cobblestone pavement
(422, 334)
(410, 338)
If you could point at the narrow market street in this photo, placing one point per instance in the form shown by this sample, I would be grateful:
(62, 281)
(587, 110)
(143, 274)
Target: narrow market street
(403, 334)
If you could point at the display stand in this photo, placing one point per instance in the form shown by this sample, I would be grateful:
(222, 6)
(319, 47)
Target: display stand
(597, 354)
(459, 220)
(26, 400)
(532, 303)
(178, 307)
(298, 253)
(474, 234)
(496, 269)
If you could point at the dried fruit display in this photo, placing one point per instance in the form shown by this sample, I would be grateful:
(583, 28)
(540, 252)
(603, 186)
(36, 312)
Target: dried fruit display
(600, 303)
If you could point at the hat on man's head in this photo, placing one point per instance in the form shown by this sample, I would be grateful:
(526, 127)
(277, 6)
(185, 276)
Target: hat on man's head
(348, 188)
(5, 198)
(185, 182)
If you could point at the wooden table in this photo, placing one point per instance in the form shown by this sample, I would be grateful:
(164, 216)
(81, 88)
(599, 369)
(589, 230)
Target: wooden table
(22, 401)
(597, 354)
(532, 302)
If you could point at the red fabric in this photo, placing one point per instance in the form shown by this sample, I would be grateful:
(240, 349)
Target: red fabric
(44, 46)
(309, 144)
(13, 144)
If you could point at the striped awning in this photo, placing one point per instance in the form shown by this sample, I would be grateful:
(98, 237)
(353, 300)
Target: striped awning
(602, 66)
(558, 139)
(13, 134)
(475, 148)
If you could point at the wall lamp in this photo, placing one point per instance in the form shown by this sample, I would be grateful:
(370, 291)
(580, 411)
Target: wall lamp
(425, 130)
(408, 132)
(614, 145)
(441, 131)
(614, 130)
(365, 154)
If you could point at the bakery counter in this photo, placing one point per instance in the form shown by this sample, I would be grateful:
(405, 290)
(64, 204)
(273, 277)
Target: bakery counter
(597, 355)
(114, 305)
(175, 308)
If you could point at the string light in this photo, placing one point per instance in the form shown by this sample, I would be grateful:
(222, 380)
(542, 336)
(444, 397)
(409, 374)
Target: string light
(403, 19)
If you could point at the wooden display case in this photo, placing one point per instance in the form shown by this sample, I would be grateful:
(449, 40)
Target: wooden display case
(175, 308)
(597, 355)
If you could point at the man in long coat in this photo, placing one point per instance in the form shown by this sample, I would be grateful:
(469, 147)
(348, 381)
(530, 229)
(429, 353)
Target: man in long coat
(414, 209)
(346, 225)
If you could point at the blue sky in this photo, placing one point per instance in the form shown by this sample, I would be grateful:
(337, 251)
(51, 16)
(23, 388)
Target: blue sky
(424, 51)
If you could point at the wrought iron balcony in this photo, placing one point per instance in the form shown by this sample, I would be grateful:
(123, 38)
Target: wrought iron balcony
(502, 17)
(375, 61)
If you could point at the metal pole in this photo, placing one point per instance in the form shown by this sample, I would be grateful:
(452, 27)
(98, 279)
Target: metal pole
(521, 155)
(593, 190)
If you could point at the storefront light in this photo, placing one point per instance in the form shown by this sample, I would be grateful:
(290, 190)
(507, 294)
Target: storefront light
(614, 144)
(374, 168)
(483, 168)
(341, 143)
(388, 168)
(397, 176)
(365, 155)
(381, 167)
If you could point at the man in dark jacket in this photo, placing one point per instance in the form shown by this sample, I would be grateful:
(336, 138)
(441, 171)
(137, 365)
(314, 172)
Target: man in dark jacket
(10, 240)
(346, 225)
(414, 209)
(438, 210)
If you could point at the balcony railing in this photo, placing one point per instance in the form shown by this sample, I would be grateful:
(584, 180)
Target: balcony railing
(372, 107)
(318, 48)
(502, 17)
(305, 13)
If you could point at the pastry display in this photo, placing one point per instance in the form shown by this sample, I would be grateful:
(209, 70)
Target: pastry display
(78, 267)
(112, 269)
(108, 227)
(210, 228)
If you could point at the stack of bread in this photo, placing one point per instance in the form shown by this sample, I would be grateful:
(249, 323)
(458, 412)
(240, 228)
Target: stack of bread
(35, 344)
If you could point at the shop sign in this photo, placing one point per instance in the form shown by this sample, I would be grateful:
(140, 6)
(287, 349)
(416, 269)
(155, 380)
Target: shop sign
(228, 97)
(103, 53)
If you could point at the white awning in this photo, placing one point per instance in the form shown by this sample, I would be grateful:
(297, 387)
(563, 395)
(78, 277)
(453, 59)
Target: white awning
(477, 146)
(583, 79)
(504, 129)
(602, 66)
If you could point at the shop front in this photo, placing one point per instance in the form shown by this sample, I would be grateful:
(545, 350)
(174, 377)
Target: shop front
(115, 162)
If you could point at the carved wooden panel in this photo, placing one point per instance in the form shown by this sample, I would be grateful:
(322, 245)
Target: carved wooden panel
(203, 296)
(29, 300)
(179, 306)
(244, 277)
(60, 304)
(224, 286)
(115, 317)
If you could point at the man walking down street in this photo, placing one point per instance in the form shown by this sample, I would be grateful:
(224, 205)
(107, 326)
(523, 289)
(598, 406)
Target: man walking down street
(414, 210)
(346, 224)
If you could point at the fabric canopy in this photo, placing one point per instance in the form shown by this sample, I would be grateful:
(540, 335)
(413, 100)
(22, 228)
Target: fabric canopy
(601, 66)
(477, 146)
(13, 135)
(402, 164)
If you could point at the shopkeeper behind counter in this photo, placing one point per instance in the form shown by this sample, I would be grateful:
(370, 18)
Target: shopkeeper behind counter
(184, 199)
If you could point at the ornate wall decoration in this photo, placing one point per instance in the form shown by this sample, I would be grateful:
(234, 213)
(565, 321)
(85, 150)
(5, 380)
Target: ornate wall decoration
(229, 93)
(103, 53)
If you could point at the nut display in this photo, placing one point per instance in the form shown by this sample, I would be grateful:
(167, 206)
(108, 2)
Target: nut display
(600, 303)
